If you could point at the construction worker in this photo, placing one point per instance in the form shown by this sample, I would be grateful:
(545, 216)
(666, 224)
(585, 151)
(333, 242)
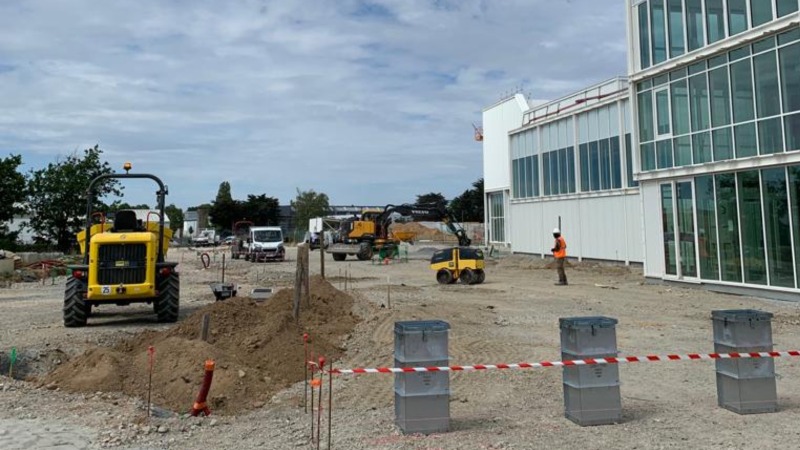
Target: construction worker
(560, 254)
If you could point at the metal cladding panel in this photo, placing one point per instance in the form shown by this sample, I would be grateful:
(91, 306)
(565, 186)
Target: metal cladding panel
(654, 238)
(605, 227)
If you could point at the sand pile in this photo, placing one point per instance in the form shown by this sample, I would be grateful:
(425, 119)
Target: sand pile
(421, 232)
(257, 347)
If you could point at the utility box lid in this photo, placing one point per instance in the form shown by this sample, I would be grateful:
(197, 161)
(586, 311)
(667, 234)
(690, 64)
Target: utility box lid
(416, 326)
(587, 322)
(740, 315)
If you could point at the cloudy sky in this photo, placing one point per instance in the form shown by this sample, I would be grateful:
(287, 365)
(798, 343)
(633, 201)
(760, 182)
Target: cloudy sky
(371, 102)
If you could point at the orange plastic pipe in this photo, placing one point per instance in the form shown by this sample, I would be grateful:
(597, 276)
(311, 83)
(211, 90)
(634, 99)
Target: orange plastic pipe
(200, 404)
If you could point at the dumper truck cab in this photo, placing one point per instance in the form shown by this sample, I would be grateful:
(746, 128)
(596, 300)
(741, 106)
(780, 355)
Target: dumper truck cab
(124, 260)
(265, 244)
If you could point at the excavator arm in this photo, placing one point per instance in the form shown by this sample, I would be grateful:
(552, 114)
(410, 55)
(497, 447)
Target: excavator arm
(432, 213)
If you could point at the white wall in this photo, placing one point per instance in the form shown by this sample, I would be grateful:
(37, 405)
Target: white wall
(498, 120)
(606, 227)
(654, 237)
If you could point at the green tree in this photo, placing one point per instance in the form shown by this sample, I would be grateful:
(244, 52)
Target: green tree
(262, 210)
(225, 210)
(12, 193)
(175, 216)
(307, 205)
(119, 205)
(433, 198)
(468, 207)
(56, 195)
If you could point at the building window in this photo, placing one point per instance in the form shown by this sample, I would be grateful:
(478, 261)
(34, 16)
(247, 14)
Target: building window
(675, 16)
(497, 221)
(644, 36)
(629, 160)
(754, 261)
(745, 136)
(683, 151)
(663, 126)
(723, 144)
(701, 145)
(646, 116)
(694, 24)
(742, 91)
(720, 97)
(680, 107)
(760, 11)
(790, 77)
(737, 16)
(765, 67)
(559, 171)
(699, 102)
(707, 227)
(668, 225)
(786, 7)
(658, 32)
(715, 22)
(792, 124)
(728, 226)
(779, 235)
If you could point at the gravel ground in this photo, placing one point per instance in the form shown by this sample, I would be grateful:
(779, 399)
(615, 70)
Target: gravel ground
(512, 317)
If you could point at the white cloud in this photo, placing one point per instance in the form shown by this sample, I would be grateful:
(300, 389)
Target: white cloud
(370, 102)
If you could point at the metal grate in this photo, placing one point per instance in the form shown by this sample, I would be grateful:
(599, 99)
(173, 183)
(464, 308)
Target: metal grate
(122, 264)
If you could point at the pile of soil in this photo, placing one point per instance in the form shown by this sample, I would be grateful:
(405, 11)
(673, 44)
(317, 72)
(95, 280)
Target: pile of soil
(257, 348)
(423, 233)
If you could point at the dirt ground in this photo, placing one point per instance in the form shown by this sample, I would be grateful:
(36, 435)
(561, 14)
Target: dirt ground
(512, 317)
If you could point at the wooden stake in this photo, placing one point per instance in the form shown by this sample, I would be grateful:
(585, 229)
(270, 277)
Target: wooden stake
(388, 293)
(204, 326)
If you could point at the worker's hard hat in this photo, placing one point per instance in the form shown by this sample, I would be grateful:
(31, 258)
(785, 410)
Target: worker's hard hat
(556, 231)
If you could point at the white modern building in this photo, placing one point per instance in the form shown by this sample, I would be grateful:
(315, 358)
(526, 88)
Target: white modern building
(716, 92)
(568, 164)
(691, 165)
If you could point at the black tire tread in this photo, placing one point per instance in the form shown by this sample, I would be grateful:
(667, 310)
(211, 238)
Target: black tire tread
(167, 305)
(75, 308)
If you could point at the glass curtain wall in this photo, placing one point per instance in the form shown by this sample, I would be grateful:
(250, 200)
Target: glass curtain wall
(736, 227)
(524, 164)
(669, 28)
(738, 105)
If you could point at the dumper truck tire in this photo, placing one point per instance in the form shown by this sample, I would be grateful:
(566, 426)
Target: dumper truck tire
(364, 251)
(76, 310)
(167, 304)
(339, 256)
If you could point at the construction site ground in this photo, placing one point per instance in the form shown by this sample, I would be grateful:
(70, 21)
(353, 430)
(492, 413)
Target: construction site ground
(512, 317)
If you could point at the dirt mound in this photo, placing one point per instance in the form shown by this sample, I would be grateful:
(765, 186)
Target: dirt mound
(257, 347)
(421, 232)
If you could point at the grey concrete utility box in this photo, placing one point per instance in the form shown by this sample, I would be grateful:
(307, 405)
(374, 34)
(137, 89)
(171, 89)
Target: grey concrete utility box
(421, 340)
(591, 393)
(422, 399)
(745, 386)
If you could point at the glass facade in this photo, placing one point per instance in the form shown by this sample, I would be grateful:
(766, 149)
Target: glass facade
(667, 29)
(728, 223)
(547, 161)
(738, 105)
(734, 227)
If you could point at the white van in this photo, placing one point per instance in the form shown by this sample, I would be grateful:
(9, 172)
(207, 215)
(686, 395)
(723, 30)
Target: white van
(265, 244)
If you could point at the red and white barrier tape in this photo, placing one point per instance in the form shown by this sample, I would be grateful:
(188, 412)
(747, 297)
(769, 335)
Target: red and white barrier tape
(576, 362)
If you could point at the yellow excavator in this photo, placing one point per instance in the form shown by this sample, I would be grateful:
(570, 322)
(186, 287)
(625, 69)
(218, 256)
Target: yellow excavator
(364, 236)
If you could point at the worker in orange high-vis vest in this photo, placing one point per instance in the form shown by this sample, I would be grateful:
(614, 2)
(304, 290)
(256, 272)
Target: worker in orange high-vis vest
(560, 254)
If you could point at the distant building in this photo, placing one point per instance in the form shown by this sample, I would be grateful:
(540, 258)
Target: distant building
(190, 227)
